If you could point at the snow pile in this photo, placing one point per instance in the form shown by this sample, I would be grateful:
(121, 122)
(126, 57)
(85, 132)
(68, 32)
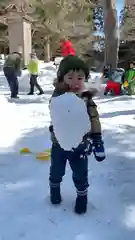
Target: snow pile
(70, 120)
(24, 80)
(95, 81)
(47, 75)
(57, 61)
(9, 127)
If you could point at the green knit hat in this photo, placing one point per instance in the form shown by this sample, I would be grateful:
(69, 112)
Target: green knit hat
(71, 63)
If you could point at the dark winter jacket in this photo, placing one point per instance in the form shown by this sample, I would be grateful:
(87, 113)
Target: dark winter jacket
(13, 61)
(61, 88)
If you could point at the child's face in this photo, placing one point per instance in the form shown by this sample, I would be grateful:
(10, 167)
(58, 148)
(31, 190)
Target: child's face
(75, 80)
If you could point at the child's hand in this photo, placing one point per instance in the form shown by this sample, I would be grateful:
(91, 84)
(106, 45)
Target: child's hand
(98, 147)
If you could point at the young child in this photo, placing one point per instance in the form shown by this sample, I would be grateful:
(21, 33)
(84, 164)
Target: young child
(70, 78)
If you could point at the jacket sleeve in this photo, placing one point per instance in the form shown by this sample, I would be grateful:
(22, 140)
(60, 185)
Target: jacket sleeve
(94, 117)
(92, 112)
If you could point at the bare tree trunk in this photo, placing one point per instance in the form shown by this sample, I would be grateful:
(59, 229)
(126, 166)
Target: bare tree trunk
(47, 49)
(111, 33)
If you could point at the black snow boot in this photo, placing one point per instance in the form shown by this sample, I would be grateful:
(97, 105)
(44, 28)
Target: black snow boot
(55, 195)
(16, 97)
(40, 93)
(81, 204)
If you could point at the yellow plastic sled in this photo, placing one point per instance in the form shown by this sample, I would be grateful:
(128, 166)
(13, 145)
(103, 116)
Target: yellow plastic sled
(44, 156)
(25, 151)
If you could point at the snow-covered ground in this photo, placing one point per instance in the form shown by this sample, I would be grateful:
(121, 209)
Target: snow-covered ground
(25, 211)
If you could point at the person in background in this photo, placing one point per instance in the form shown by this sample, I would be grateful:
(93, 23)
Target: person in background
(12, 70)
(66, 48)
(128, 79)
(107, 71)
(34, 71)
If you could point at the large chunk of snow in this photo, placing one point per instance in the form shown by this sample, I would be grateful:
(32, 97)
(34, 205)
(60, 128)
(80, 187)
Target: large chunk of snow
(70, 120)
(9, 128)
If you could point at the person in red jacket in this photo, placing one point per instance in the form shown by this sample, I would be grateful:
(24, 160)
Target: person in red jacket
(66, 48)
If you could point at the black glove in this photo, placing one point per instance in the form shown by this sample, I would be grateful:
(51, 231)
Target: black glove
(51, 128)
(98, 147)
(84, 148)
